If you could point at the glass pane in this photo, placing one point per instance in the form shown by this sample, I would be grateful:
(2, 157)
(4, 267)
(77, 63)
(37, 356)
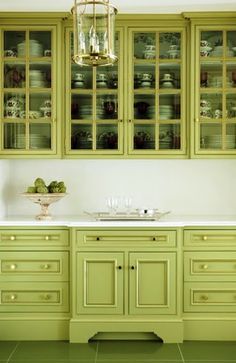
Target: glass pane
(107, 107)
(211, 105)
(81, 107)
(40, 43)
(81, 137)
(169, 137)
(14, 43)
(14, 136)
(230, 75)
(81, 77)
(144, 107)
(231, 44)
(144, 137)
(40, 105)
(231, 105)
(211, 44)
(107, 137)
(211, 74)
(170, 45)
(230, 136)
(210, 136)
(40, 136)
(144, 76)
(169, 75)
(14, 105)
(40, 75)
(145, 45)
(14, 75)
(169, 108)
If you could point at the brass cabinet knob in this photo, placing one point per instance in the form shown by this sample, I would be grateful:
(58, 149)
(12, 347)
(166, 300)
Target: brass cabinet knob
(13, 266)
(46, 266)
(46, 297)
(12, 238)
(204, 238)
(205, 267)
(46, 238)
(13, 297)
(204, 297)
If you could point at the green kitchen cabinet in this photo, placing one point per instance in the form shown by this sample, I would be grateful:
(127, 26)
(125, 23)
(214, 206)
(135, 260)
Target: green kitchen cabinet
(124, 280)
(157, 90)
(94, 104)
(34, 283)
(30, 87)
(213, 85)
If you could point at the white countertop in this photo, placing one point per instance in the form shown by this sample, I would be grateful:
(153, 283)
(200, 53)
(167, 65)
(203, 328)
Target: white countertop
(82, 221)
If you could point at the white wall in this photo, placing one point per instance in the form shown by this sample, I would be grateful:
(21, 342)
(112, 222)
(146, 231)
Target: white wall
(182, 186)
(4, 178)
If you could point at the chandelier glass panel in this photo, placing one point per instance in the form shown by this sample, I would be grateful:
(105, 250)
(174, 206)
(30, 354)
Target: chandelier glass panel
(94, 32)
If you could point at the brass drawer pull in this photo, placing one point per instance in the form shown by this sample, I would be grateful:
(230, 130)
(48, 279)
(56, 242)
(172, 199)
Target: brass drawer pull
(205, 267)
(46, 238)
(204, 297)
(46, 297)
(13, 297)
(12, 238)
(204, 238)
(46, 266)
(13, 266)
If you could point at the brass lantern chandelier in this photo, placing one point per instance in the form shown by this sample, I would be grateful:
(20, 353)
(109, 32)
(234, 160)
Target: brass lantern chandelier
(94, 32)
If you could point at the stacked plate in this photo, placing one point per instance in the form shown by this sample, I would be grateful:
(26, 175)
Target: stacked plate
(35, 49)
(37, 78)
(215, 141)
(151, 112)
(100, 112)
(39, 141)
(86, 111)
(166, 112)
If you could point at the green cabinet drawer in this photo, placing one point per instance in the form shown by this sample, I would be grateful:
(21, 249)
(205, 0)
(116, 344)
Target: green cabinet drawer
(134, 238)
(34, 237)
(210, 297)
(210, 266)
(210, 238)
(34, 266)
(34, 297)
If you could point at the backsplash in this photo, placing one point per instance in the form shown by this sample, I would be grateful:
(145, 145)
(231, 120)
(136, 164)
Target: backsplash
(182, 186)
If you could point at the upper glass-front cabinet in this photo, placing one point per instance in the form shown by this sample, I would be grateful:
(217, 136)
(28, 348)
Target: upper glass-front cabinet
(157, 92)
(28, 91)
(94, 119)
(215, 91)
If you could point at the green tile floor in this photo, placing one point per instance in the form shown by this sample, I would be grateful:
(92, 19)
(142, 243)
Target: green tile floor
(117, 352)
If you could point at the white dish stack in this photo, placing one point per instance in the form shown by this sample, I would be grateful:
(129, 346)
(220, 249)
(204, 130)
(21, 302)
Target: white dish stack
(166, 112)
(35, 49)
(37, 78)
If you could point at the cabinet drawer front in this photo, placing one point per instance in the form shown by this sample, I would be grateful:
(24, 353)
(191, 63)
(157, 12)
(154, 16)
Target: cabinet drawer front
(210, 266)
(34, 266)
(132, 238)
(37, 297)
(34, 237)
(208, 238)
(210, 297)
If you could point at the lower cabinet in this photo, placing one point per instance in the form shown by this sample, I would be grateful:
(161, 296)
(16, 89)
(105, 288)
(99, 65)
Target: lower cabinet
(34, 283)
(129, 285)
(210, 284)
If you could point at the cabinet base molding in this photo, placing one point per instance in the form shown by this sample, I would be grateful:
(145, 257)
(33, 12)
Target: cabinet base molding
(167, 331)
(209, 329)
(25, 329)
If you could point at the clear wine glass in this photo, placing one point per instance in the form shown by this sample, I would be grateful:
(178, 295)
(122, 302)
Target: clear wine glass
(128, 204)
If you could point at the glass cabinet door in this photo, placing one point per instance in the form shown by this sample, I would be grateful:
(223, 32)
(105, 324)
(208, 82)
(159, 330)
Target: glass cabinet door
(93, 106)
(216, 91)
(156, 111)
(28, 92)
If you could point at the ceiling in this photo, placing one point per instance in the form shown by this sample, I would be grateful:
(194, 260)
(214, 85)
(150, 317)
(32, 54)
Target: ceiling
(124, 6)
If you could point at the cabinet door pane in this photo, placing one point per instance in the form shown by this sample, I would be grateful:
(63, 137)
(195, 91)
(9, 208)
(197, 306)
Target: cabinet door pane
(144, 137)
(170, 45)
(107, 137)
(14, 136)
(40, 44)
(81, 137)
(211, 44)
(231, 43)
(211, 136)
(40, 136)
(14, 105)
(169, 108)
(107, 107)
(14, 43)
(40, 75)
(169, 76)
(230, 139)
(144, 45)
(144, 76)
(40, 105)
(169, 136)
(14, 74)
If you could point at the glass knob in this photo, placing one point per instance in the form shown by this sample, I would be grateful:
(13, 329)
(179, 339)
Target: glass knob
(12, 238)
(204, 238)
(13, 297)
(205, 267)
(46, 266)
(13, 267)
(46, 238)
